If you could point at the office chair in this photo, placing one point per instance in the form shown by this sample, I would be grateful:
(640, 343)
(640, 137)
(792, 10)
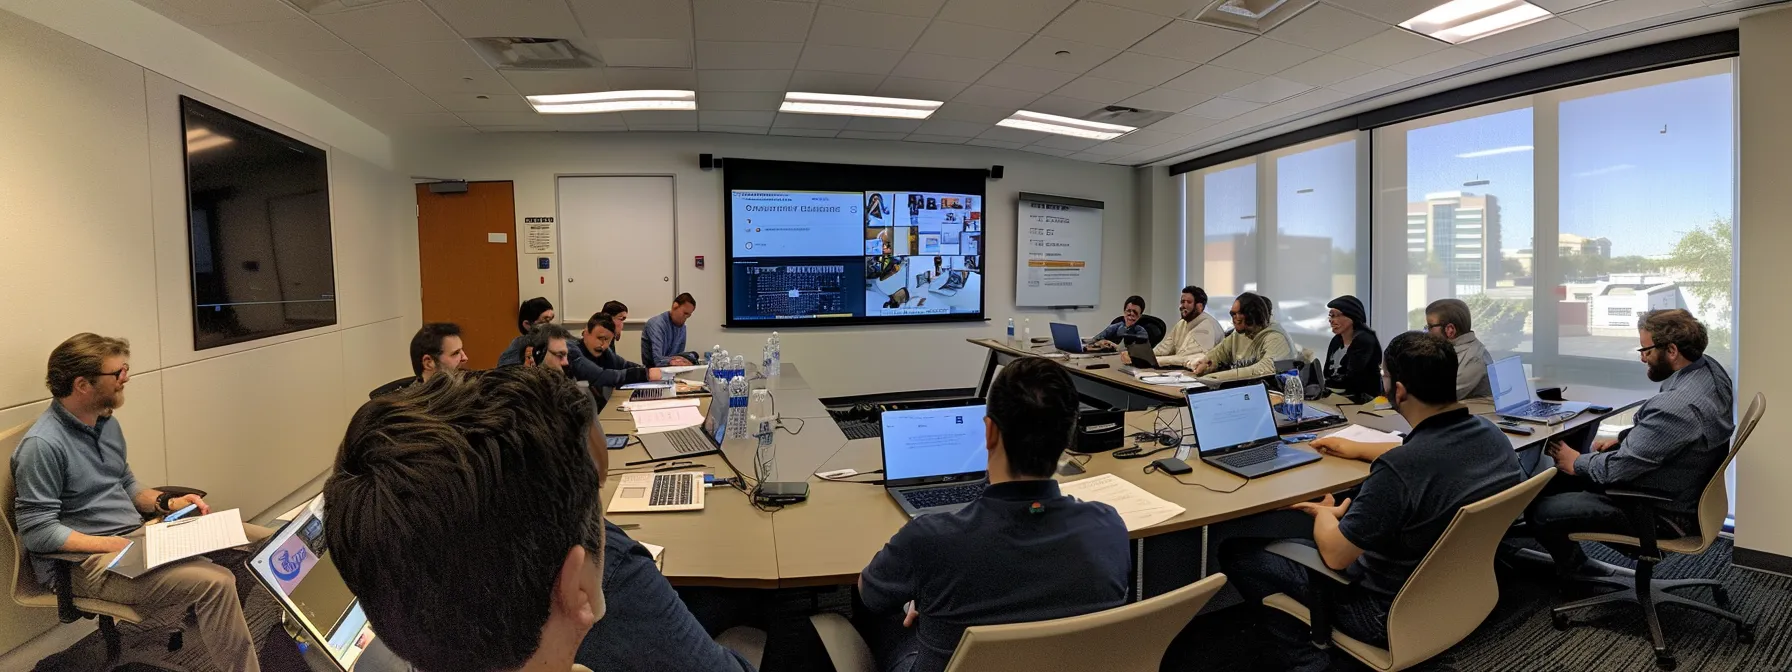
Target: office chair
(1443, 601)
(1644, 589)
(1155, 329)
(1128, 638)
(27, 592)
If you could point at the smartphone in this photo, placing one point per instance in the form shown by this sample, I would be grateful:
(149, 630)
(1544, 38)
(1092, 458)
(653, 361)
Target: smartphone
(184, 512)
(615, 441)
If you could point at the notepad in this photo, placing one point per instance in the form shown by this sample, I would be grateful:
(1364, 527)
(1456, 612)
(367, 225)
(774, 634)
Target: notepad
(1137, 508)
(658, 552)
(667, 419)
(1363, 434)
(187, 537)
(656, 404)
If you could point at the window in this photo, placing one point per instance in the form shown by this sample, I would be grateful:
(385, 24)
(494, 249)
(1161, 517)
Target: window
(1229, 263)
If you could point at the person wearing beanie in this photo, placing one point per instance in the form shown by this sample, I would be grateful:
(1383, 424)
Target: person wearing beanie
(1353, 360)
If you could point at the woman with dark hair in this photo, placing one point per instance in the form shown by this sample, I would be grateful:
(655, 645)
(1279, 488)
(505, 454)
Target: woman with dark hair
(533, 312)
(1353, 360)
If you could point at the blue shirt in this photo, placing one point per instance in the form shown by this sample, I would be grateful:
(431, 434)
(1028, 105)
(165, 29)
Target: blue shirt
(1118, 332)
(661, 340)
(1680, 438)
(646, 627)
(999, 561)
(513, 353)
(71, 477)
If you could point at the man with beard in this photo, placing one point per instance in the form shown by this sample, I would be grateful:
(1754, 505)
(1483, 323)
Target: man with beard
(76, 494)
(1680, 438)
(1193, 335)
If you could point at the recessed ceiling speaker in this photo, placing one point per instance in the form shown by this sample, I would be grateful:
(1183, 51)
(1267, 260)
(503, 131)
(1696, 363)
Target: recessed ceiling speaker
(995, 172)
(448, 187)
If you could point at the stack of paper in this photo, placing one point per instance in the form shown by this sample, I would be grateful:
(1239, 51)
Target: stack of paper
(656, 404)
(1139, 509)
(1363, 434)
(196, 535)
(658, 420)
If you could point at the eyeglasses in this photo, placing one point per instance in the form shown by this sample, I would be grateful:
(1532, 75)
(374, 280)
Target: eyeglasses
(1429, 326)
(1652, 347)
(122, 374)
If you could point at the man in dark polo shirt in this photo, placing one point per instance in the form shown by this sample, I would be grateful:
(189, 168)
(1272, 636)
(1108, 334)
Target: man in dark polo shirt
(1021, 553)
(1450, 459)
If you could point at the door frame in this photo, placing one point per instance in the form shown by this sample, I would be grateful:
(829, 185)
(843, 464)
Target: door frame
(560, 231)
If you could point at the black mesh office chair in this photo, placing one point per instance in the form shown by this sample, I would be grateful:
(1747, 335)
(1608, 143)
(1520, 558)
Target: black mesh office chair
(1154, 328)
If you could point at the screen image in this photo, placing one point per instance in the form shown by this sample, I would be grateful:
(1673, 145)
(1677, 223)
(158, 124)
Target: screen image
(1510, 387)
(1232, 417)
(258, 225)
(934, 442)
(299, 566)
(832, 243)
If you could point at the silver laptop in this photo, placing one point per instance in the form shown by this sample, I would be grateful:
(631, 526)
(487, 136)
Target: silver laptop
(1514, 398)
(1235, 430)
(935, 460)
(321, 613)
(691, 441)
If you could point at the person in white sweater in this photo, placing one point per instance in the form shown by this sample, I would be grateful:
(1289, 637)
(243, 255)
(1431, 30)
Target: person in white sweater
(1193, 335)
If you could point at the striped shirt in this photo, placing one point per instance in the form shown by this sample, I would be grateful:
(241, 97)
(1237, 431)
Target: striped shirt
(1680, 438)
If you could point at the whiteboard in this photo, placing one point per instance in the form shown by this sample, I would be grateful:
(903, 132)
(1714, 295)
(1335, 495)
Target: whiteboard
(616, 244)
(1057, 257)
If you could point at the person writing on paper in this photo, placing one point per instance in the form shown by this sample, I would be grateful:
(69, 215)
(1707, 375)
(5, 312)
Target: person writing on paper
(1127, 329)
(1023, 552)
(467, 518)
(531, 313)
(76, 494)
(1253, 348)
(1194, 334)
(1353, 359)
(437, 348)
(1451, 459)
(1449, 318)
(662, 340)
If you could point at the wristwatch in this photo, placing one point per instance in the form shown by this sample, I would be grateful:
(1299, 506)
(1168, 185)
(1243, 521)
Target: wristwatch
(162, 502)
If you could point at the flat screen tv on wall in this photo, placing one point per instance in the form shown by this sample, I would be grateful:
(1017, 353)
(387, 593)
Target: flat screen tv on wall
(258, 229)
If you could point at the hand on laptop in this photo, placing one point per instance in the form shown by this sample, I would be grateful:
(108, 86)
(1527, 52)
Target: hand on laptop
(1102, 345)
(1201, 368)
(655, 374)
(680, 361)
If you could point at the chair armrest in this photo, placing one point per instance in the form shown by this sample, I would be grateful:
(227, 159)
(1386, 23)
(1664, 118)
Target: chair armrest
(1308, 557)
(1634, 495)
(845, 648)
(179, 491)
(1640, 506)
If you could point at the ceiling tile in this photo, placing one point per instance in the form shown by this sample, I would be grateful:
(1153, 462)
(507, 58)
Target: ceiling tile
(999, 144)
(379, 24)
(1141, 69)
(1374, 81)
(922, 8)
(735, 118)
(811, 121)
(1388, 11)
(287, 36)
(885, 125)
(1011, 76)
(1078, 57)
(1111, 148)
(410, 102)
(481, 102)
(1302, 103)
(748, 55)
(517, 128)
(587, 122)
(532, 18)
(966, 40)
(426, 120)
(462, 81)
(937, 139)
(851, 27)
(1023, 15)
(334, 64)
(1145, 137)
(443, 56)
(1618, 13)
(1005, 134)
(1391, 46)
(1105, 25)
(383, 85)
(872, 135)
(1541, 32)
(973, 113)
(834, 82)
(1100, 90)
(639, 79)
(740, 80)
(830, 58)
(502, 118)
(1064, 106)
(1036, 149)
(663, 128)
(1067, 142)
(753, 20)
(923, 89)
(1326, 70)
(1453, 57)
(739, 100)
(223, 12)
(1559, 7)
(660, 118)
(1223, 108)
(944, 68)
(1211, 80)
(1326, 28)
(743, 130)
(804, 132)
(1165, 100)
(1192, 42)
(979, 94)
(962, 129)
(1265, 56)
(640, 19)
(540, 82)
(1269, 90)
(631, 53)
(1181, 124)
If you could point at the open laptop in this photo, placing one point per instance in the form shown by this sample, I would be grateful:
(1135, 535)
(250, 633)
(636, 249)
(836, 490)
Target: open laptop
(1066, 338)
(650, 492)
(691, 441)
(321, 613)
(1235, 430)
(935, 460)
(1514, 399)
(1142, 356)
(954, 281)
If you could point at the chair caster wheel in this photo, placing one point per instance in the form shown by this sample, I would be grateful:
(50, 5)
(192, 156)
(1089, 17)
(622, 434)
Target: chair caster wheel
(1665, 662)
(1560, 621)
(1745, 633)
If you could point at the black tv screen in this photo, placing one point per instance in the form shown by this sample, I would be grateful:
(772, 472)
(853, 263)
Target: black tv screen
(258, 228)
(813, 244)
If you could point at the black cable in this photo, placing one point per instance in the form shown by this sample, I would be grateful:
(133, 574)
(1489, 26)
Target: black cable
(1137, 452)
(1152, 469)
(848, 479)
(801, 423)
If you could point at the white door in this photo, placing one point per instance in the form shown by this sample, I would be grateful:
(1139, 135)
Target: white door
(616, 243)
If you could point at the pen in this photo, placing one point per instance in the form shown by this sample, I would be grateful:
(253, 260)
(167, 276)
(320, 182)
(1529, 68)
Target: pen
(182, 521)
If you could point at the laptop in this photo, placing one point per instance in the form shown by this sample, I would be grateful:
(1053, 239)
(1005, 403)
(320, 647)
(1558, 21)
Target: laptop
(1514, 399)
(653, 493)
(1235, 430)
(935, 460)
(691, 441)
(1066, 338)
(1143, 358)
(954, 281)
(321, 613)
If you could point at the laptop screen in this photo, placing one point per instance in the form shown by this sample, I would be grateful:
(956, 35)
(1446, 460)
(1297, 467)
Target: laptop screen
(1510, 387)
(715, 423)
(1064, 337)
(295, 566)
(934, 442)
(1229, 418)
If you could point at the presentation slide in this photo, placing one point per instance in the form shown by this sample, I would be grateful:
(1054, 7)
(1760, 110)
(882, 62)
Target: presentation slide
(1058, 260)
(795, 223)
(934, 442)
(1227, 418)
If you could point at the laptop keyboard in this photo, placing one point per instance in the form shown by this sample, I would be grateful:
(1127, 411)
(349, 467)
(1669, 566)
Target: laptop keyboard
(671, 490)
(862, 430)
(685, 441)
(1247, 458)
(932, 497)
(1540, 409)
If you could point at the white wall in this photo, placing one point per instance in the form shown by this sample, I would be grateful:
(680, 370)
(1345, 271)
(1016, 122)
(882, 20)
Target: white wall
(93, 238)
(835, 360)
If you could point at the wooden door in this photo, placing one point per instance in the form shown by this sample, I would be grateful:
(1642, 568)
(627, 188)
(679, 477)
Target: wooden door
(468, 279)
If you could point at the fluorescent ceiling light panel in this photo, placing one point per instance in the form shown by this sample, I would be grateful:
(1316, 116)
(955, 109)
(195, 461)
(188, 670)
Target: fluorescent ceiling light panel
(613, 101)
(858, 106)
(1461, 21)
(1048, 123)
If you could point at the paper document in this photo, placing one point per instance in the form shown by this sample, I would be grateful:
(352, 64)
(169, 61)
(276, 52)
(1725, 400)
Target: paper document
(658, 552)
(657, 404)
(1137, 508)
(677, 417)
(187, 537)
(675, 370)
(1366, 435)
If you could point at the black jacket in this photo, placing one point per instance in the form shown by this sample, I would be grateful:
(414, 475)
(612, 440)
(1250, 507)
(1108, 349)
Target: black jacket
(1360, 370)
(605, 372)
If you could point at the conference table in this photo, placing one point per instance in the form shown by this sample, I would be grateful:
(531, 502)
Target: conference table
(828, 539)
(1097, 375)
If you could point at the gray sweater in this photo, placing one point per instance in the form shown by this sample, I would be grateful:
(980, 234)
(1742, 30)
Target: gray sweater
(1244, 357)
(71, 478)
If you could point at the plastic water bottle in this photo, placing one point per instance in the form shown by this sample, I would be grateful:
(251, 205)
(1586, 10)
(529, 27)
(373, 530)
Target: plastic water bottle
(738, 367)
(777, 357)
(762, 419)
(1010, 330)
(711, 374)
(1293, 396)
(1027, 328)
(737, 407)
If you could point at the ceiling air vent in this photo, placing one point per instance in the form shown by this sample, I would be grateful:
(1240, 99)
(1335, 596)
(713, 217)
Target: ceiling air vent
(333, 6)
(1257, 16)
(533, 53)
(1125, 116)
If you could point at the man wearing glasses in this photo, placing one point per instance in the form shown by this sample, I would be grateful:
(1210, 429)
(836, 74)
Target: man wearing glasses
(76, 494)
(1449, 318)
